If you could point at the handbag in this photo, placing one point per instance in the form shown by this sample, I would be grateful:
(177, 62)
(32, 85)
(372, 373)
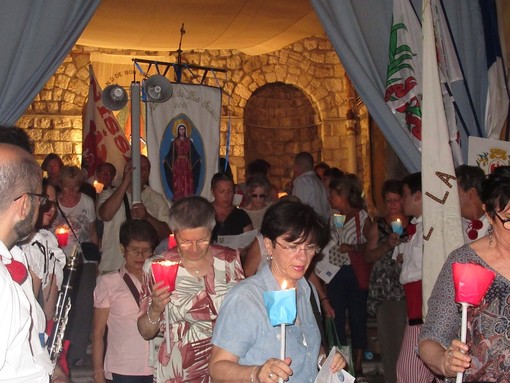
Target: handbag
(362, 269)
(89, 250)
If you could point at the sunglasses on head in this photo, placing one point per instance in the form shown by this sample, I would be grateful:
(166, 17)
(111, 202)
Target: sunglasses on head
(48, 205)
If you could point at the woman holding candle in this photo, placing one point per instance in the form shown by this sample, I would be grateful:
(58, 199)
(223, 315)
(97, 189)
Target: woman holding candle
(246, 346)
(116, 303)
(386, 300)
(46, 260)
(348, 290)
(76, 211)
(484, 356)
(205, 275)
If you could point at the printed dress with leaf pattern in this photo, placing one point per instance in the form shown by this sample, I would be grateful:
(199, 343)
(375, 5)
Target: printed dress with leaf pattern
(193, 309)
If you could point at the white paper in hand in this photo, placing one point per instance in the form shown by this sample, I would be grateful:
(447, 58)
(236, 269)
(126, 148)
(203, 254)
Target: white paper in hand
(326, 376)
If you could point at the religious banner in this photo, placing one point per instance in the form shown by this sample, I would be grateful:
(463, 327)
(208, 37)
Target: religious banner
(488, 154)
(442, 227)
(103, 139)
(183, 141)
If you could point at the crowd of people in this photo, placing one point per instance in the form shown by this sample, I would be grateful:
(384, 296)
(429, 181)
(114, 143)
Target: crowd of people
(213, 324)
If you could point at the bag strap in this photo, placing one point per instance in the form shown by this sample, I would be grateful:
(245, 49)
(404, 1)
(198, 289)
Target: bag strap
(67, 221)
(126, 207)
(358, 228)
(130, 284)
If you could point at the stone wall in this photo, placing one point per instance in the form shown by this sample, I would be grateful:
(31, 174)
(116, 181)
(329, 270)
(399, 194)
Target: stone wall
(54, 119)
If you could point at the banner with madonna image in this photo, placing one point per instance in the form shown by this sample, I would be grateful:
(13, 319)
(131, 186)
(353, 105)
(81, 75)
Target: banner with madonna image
(183, 141)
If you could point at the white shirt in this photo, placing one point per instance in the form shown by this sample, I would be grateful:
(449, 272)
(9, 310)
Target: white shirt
(310, 190)
(17, 363)
(412, 253)
(467, 227)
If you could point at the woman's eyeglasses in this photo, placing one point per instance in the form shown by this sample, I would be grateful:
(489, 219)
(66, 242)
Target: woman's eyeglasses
(293, 249)
(199, 243)
(134, 251)
(258, 196)
(505, 222)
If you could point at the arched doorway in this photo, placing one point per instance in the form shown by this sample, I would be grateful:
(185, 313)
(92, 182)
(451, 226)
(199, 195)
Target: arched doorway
(279, 122)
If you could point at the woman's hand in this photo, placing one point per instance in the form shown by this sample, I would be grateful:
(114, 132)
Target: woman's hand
(345, 248)
(455, 358)
(393, 240)
(339, 362)
(274, 369)
(160, 298)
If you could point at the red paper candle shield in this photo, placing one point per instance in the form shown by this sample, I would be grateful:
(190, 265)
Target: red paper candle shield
(471, 282)
(165, 271)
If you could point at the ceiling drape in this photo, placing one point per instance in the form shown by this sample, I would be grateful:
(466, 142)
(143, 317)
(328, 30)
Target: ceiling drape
(359, 31)
(36, 36)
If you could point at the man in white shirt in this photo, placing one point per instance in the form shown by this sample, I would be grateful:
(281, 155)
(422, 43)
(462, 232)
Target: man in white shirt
(410, 368)
(308, 187)
(114, 206)
(20, 188)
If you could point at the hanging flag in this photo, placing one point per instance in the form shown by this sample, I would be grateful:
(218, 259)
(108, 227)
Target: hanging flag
(183, 141)
(442, 227)
(103, 139)
(449, 72)
(403, 77)
(496, 108)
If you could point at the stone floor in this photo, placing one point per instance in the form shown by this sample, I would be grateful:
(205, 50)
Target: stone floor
(372, 369)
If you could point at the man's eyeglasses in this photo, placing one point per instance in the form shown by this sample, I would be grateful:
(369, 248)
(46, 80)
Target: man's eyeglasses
(258, 196)
(293, 249)
(134, 251)
(42, 197)
(199, 243)
(505, 222)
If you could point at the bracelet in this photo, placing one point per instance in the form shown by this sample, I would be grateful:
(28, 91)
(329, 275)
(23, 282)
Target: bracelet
(321, 360)
(252, 375)
(149, 317)
(324, 299)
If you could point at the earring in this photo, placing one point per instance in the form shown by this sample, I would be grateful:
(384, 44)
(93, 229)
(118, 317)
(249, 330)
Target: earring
(491, 238)
(269, 257)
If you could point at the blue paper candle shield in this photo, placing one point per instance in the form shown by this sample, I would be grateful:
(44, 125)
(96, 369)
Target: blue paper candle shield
(281, 306)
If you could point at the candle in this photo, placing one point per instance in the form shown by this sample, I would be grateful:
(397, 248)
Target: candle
(98, 186)
(396, 226)
(62, 234)
(171, 242)
(166, 271)
(281, 309)
(339, 220)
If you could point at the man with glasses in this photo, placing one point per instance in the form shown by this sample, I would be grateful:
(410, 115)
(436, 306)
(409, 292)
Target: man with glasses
(20, 197)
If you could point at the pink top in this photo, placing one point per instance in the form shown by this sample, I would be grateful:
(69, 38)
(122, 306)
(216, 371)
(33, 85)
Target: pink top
(127, 352)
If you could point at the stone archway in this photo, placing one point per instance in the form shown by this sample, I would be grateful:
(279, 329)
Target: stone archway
(279, 122)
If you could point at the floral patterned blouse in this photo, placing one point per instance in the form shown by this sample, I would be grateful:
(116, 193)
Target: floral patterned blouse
(384, 280)
(193, 310)
(488, 325)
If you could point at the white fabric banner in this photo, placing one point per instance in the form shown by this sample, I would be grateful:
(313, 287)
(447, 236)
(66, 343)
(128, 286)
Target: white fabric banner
(442, 227)
(103, 139)
(183, 141)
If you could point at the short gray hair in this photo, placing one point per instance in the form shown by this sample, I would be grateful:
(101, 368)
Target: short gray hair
(22, 175)
(190, 213)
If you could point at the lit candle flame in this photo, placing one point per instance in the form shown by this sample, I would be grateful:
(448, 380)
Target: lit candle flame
(284, 284)
(61, 230)
(167, 263)
(98, 186)
(282, 194)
